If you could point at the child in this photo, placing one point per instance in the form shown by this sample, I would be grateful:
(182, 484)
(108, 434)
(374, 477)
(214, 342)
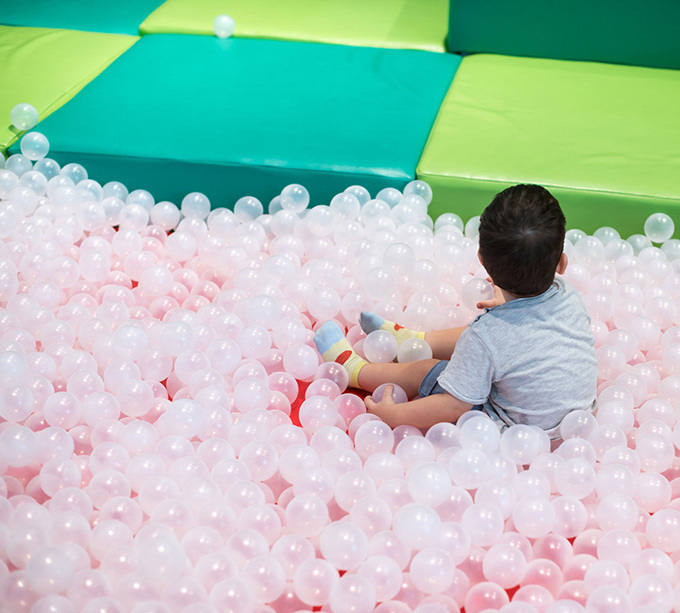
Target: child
(528, 359)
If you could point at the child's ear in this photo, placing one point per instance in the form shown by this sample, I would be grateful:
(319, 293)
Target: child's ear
(562, 264)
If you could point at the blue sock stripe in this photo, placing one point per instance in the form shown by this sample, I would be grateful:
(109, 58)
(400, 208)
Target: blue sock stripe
(327, 335)
(370, 321)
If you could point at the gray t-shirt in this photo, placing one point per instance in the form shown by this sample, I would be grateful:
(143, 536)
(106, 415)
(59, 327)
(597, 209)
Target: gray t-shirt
(528, 361)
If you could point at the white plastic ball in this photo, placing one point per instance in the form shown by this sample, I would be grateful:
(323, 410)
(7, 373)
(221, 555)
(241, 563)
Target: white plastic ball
(413, 350)
(35, 146)
(294, 198)
(223, 26)
(247, 209)
(398, 394)
(380, 346)
(659, 227)
(474, 291)
(23, 116)
(195, 204)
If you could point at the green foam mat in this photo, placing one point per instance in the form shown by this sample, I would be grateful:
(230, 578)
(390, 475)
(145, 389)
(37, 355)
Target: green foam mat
(46, 68)
(247, 117)
(113, 17)
(618, 31)
(405, 24)
(603, 138)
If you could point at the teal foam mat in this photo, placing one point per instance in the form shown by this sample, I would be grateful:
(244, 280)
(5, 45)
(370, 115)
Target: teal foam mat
(233, 117)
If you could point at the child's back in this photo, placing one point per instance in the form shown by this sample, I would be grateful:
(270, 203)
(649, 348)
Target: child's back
(537, 355)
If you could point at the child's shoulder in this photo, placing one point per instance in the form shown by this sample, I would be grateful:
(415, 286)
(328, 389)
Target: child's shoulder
(523, 311)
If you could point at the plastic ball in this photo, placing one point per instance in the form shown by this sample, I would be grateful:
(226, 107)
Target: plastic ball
(49, 571)
(533, 516)
(195, 204)
(35, 146)
(659, 227)
(352, 593)
(248, 208)
(300, 361)
(18, 164)
(416, 525)
(485, 596)
(522, 444)
(398, 393)
(469, 468)
(314, 580)
(380, 346)
(346, 204)
(23, 116)
(474, 291)
(294, 198)
(479, 432)
(223, 26)
(504, 565)
(413, 349)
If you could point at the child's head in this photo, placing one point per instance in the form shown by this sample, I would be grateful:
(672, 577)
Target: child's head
(521, 239)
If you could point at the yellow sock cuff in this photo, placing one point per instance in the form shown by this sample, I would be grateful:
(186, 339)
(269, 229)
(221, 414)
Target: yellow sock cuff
(401, 333)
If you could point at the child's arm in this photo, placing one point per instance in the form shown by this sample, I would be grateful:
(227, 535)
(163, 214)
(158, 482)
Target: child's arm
(421, 413)
(443, 342)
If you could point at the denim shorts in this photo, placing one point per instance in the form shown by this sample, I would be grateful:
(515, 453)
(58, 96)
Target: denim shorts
(429, 385)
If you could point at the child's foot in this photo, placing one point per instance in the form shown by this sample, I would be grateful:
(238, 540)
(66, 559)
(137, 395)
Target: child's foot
(334, 347)
(370, 322)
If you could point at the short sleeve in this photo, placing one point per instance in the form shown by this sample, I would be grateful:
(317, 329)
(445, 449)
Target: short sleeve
(469, 374)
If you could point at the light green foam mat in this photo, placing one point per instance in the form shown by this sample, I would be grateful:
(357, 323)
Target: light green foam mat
(46, 68)
(405, 24)
(605, 139)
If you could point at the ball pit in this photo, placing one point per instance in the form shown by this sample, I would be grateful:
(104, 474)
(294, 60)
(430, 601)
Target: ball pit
(171, 440)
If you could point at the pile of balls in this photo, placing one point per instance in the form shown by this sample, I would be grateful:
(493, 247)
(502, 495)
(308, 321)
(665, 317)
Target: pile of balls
(153, 358)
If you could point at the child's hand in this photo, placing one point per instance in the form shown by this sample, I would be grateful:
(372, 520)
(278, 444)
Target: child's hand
(497, 299)
(383, 408)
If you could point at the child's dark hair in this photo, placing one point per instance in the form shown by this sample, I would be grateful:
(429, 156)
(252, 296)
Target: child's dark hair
(521, 239)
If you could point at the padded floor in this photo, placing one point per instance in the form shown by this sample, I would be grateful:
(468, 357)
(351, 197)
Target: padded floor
(236, 117)
(46, 67)
(112, 16)
(404, 24)
(604, 138)
(617, 31)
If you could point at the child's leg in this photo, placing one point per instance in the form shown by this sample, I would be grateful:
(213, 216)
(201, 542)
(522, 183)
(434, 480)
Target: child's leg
(442, 342)
(334, 347)
(408, 375)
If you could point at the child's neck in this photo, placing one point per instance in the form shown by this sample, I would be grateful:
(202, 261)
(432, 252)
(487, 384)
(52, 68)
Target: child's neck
(509, 296)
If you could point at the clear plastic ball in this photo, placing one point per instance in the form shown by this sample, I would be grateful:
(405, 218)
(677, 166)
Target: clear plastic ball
(294, 198)
(223, 26)
(474, 291)
(398, 393)
(413, 350)
(247, 209)
(380, 346)
(314, 580)
(504, 565)
(659, 227)
(195, 204)
(35, 146)
(23, 116)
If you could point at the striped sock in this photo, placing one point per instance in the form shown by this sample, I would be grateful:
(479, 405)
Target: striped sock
(334, 347)
(370, 322)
